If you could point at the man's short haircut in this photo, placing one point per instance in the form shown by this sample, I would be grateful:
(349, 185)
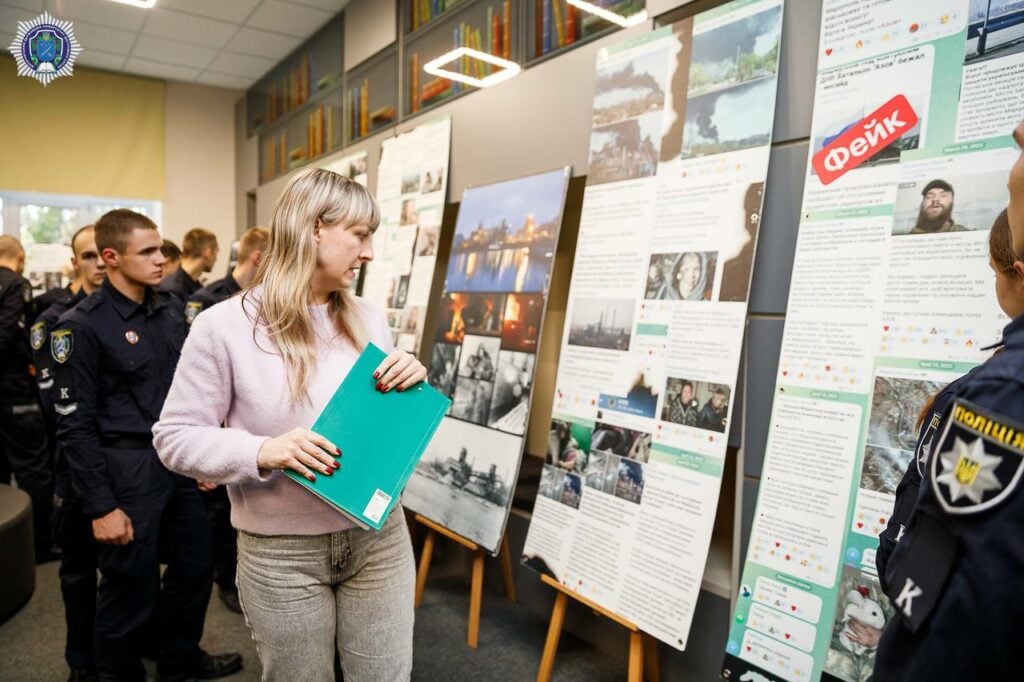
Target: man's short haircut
(77, 234)
(10, 247)
(196, 241)
(685, 384)
(253, 239)
(114, 228)
(170, 251)
(937, 183)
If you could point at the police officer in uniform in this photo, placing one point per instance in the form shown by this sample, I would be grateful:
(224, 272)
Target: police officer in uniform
(218, 508)
(72, 530)
(198, 255)
(114, 357)
(23, 447)
(954, 570)
(85, 264)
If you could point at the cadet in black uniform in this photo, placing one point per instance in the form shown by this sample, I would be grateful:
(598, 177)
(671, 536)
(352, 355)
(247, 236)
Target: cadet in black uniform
(954, 571)
(84, 264)
(218, 508)
(72, 530)
(172, 254)
(198, 255)
(23, 447)
(114, 356)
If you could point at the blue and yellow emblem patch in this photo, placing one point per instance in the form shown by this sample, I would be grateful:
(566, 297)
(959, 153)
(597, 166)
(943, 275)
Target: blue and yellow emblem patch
(37, 335)
(192, 309)
(62, 342)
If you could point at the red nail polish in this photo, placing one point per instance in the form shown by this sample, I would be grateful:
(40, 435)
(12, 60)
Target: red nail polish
(380, 386)
(337, 452)
(329, 472)
(376, 375)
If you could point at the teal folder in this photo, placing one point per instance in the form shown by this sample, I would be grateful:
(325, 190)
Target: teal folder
(381, 436)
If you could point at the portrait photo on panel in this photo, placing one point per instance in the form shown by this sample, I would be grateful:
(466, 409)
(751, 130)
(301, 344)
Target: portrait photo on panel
(945, 204)
(700, 404)
(687, 276)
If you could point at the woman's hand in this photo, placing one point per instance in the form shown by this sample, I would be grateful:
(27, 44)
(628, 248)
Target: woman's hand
(399, 370)
(299, 450)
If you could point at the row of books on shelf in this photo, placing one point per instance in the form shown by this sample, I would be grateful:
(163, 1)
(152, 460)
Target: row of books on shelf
(422, 11)
(360, 120)
(556, 23)
(272, 162)
(320, 130)
(290, 91)
(495, 38)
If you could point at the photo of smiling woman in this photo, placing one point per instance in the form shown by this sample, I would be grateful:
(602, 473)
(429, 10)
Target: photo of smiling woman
(687, 276)
(255, 373)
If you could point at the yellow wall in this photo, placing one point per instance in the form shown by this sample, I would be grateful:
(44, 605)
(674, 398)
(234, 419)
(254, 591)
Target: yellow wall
(95, 133)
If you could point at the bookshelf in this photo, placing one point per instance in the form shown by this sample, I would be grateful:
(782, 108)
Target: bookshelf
(555, 26)
(309, 105)
(371, 95)
(486, 25)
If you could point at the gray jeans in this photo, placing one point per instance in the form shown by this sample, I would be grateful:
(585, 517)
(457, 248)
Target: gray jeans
(301, 593)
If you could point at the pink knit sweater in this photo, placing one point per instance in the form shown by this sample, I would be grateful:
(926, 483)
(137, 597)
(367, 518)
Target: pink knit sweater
(225, 376)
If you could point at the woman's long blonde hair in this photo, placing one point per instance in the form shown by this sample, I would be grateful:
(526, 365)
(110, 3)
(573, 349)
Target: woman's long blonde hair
(313, 197)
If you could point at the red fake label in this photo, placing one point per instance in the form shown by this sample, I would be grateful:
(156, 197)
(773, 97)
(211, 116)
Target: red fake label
(864, 139)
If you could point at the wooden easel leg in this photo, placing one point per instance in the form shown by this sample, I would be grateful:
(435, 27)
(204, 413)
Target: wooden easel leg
(475, 594)
(636, 656)
(651, 658)
(421, 574)
(506, 570)
(547, 661)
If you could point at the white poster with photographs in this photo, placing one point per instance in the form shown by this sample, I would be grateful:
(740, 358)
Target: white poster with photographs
(412, 184)
(353, 167)
(484, 353)
(657, 306)
(892, 297)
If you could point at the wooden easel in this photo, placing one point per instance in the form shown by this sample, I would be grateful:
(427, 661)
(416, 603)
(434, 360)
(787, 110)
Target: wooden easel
(641, 645)
(477, 581)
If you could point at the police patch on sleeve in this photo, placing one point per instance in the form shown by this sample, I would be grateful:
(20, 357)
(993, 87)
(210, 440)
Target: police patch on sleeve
(192, 309)
(979, 460)
(37, 335)
(62, 342)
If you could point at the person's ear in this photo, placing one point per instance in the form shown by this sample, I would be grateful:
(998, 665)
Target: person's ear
(256, 257)
(111, 258)
(1018, 267)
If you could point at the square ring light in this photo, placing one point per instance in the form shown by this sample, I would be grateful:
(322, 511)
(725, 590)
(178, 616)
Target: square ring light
(509, 69)
(607, 15)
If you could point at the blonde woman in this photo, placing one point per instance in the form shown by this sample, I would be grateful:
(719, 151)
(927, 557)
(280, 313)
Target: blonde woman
(263, 364)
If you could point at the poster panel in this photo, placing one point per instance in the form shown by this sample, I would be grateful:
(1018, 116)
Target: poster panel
(484, 354)
(891, 298)
(412, 183)
(682, 125)
(353, 167)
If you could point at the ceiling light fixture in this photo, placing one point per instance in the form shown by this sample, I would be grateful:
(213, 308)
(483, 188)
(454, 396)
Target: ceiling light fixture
(625, 22)
(144, 4)
(508, 69)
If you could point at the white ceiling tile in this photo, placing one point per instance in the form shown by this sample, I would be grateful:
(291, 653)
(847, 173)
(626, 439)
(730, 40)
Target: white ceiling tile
(102, 12)
(296, 20)
(100, 60)
(173, 52)
(30, 5)
(144, 67)
(96, 37)
(332, 6)
(224, 80)
(188, 28)
(234, 11)
(263, 43)
(241, 64)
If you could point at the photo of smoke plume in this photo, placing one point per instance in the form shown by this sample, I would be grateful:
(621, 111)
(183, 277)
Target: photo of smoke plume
(733, 70)
(626, 89)
(625, 150)
(602, 323)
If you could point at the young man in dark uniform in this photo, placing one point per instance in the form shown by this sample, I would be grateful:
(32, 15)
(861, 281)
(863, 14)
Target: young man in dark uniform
(114, 358)
(86, 265)
(23, 447)
(72, 530)
(198, 255)
(218, 508)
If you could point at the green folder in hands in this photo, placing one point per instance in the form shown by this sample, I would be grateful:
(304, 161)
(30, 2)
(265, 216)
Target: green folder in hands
(381, 437)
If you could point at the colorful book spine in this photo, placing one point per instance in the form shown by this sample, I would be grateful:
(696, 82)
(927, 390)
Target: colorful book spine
(414, 79)
(547, 27)
(329, 124)
(556, 9)
(456, 38)
(364, 108)
(570, 24)
(506, 31)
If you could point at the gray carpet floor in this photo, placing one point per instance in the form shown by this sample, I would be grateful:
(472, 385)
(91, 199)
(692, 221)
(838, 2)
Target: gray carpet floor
(511, 638)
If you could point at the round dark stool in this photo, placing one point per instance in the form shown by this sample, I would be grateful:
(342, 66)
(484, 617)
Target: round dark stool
(17, 560)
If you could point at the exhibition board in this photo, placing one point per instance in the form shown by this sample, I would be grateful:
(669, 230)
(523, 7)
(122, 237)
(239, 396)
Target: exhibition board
(679, 147)
(412, 183)
(891, 298)
(484, 353)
